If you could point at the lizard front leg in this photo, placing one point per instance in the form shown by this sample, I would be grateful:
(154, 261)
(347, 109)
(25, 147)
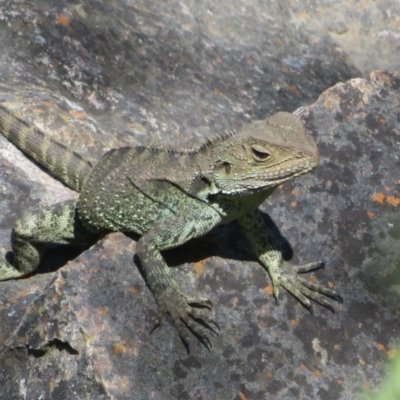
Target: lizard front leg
(55, 224)
(263, 245)
(194, 221)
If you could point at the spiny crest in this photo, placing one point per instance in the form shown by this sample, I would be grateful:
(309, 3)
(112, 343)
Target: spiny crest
(219, 137)
(157, 150)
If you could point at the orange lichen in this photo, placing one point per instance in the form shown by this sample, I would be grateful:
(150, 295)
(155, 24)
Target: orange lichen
(217, 91)
(380, 347)
(118, 349)
(102, 309)
(370, 214)
(77, 114)
(391, 353)
(378, 197)
(199, 267)
(292, 89)
(63, 20)
(394, 201)
(303, 15)
(269, 290)
(242, 396)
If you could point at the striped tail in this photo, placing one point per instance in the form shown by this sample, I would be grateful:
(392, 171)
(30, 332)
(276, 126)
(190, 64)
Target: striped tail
(65, 164)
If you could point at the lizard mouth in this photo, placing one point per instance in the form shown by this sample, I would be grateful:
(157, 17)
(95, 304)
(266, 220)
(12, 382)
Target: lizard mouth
(259, 181)
(290, 169)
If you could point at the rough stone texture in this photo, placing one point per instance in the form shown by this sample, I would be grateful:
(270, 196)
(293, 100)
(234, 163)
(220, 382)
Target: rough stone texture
(103, 74)
(367, 31)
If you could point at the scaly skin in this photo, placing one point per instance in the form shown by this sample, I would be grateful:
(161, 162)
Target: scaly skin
(169, 197)
(65, 164)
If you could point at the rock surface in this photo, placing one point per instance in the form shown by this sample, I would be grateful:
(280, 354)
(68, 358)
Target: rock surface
(104, 74)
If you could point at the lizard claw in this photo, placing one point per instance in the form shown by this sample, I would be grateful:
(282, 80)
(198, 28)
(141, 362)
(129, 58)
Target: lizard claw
(338, 298)
(305, 290)
(275, 286)
(159, 321)
(186, 316)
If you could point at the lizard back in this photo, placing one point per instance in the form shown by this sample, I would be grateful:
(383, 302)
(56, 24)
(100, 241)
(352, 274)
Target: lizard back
(131, 188)
(70, 167)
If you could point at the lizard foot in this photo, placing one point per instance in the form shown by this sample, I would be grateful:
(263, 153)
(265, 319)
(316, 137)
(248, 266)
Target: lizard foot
(187, 312)
(8, 271)
(304, 289)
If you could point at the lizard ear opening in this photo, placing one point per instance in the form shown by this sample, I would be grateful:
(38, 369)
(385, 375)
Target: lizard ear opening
(260, 153)
(227, 167)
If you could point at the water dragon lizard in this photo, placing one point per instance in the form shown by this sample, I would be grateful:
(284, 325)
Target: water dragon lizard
(168, 197)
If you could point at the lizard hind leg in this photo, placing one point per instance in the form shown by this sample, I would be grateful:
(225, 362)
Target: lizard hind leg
(55, 224)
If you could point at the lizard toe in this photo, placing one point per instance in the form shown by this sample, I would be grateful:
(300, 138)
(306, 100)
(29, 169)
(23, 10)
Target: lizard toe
(186, 315)
(312, 266)
(200, 301)
(305, 290)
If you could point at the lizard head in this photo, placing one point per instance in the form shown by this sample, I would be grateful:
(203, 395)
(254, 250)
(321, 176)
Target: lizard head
(263, 155)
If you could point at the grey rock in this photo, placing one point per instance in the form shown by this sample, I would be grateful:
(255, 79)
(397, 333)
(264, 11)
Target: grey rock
(104, 74)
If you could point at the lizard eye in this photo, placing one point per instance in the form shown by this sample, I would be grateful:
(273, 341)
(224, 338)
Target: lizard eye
(259, 153)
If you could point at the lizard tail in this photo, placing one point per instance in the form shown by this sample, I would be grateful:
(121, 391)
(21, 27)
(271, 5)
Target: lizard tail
(61, 161)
